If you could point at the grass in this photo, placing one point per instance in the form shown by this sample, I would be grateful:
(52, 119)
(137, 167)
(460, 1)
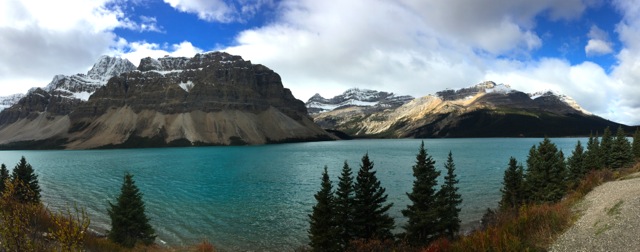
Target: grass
(615, 210)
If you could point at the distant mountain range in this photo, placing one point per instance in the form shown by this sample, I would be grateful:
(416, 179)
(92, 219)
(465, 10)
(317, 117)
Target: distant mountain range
(211, 99)
(483, 110)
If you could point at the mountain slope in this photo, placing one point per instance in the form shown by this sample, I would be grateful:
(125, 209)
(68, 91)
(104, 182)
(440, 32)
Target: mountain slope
(210, 99)
(483, 110)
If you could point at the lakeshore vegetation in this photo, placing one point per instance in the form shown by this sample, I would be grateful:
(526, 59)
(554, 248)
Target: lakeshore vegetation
(535, 206)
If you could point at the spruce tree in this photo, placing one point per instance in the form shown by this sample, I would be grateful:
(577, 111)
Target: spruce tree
(129, 223)
(4, 177)
(344, 206)
(546, 173)
(636, 144)
(593, 156)
(606, 145)
(29, 190)
(512, 185)
(449, 201)
(621, 154)
(322, 225)
(422, 213)
(576, 163)
(371, 220)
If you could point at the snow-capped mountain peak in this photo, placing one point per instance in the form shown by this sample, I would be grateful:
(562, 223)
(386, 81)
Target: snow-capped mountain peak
(563, 98)
(107, 67)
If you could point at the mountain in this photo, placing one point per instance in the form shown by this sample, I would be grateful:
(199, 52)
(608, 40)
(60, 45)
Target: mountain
(484, 110)
(211, 99)
(372, 99)
(8, 101)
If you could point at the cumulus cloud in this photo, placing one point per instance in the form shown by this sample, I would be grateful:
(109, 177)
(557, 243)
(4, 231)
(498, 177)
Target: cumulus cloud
(220, 10)
(43, 38)
(416, 47)
(598, 43)
(135, 51)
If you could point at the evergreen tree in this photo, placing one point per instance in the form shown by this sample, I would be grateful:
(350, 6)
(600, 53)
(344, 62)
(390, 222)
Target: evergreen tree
(636, 144)
(344, 206)
(322, 226)
(546, 173)
(606, 144)
(4, 177)
(29, 189)
(449, 201)
(129, 223)
(621, 154)
(592, 156)
(422, 213)
(512, 185)
(371, 220)
(576, 163)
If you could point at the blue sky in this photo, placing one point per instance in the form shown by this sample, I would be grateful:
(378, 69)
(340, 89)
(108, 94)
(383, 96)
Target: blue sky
(587, 49)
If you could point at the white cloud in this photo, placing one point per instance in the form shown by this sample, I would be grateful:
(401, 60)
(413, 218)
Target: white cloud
(135, 51)
(598, 43)
(43, 38)
(220, 10)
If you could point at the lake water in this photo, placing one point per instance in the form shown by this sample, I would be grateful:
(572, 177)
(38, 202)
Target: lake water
(258, 197)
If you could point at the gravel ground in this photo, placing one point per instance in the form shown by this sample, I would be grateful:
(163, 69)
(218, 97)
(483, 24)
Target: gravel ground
(609, 219)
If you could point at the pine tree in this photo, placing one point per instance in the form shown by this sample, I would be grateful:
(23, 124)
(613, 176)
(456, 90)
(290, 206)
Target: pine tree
(636, 144)
(344, 206)
(422, 213)
(129, 223)
(605, 147)
(4, 177)
(371, 220)
(576, 163)
(621, 154)
(512, 185)
(546, 173)
(593, 156)
(449, 201)
(322, 225)
(29, 189)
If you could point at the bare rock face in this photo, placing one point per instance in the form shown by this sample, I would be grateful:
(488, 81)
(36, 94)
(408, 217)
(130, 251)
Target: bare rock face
(210, 99)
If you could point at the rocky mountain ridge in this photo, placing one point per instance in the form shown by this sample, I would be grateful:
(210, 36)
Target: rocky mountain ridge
(483, 110)
(210, 99)
(373, 99)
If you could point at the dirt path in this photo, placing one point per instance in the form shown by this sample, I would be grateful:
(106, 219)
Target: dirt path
(609, 219)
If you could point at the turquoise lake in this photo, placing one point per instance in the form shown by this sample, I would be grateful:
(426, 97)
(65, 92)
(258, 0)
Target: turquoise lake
(258, 197)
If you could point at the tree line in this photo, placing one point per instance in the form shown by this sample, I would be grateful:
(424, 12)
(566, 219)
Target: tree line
(22, 215)
(549, 176)
(358, 210)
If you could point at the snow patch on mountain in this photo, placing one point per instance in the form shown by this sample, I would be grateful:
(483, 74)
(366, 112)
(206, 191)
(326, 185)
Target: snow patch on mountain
(187, 86)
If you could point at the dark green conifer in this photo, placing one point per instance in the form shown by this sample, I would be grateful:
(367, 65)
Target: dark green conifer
(576, 163)
(636, 144)
(344, 206)
(4, 177)
(29, 189)
(129, 223)
(449, 201)
(512, 185)
(422, 213)
(606, 145)
(593, 156)
(621, 154)
(322, 226)
(546, 173)
(371, 220)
